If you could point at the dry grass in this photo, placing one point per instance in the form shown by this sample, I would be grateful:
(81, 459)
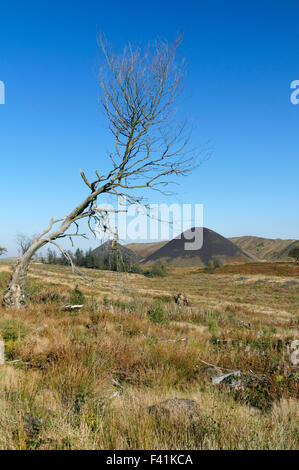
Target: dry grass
(86, 380)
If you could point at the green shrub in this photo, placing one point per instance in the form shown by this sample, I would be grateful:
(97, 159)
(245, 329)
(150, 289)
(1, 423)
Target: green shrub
(12, 330)
(77, 297)
(136, 269)
(214, 264)
(157, 270)
(10, 346)
(156, 314)
(255, 394)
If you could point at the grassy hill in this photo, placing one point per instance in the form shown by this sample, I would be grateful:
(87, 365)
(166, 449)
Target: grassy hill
(257, 248)
(146, 249)
(265, 248)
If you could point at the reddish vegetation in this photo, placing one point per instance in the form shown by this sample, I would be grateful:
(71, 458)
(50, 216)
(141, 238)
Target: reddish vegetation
(274, 269)
(236, 260)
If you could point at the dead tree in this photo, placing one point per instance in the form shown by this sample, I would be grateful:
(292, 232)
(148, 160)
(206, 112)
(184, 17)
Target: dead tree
(139, 91)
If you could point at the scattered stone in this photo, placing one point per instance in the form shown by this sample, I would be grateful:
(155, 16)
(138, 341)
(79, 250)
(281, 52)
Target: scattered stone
(176, 407)
(32, 425)
(291, 282)
(254, 411)
(264, 279)
(181, 299)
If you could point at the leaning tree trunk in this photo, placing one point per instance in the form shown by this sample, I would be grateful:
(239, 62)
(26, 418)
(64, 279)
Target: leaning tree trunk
(15, 296)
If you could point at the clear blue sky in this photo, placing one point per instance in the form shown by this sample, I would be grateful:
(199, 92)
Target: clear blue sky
(240, 58)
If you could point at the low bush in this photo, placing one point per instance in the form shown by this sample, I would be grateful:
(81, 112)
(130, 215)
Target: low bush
(156, 314)
(77, 297)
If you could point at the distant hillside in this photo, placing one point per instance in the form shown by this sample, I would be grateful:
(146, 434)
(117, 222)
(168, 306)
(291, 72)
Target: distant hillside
(214, 246)
(112, 247)
(146, 249)
(268, 249)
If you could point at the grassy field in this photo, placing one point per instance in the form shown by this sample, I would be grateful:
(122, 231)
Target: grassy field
(86, 380)
(7, 260)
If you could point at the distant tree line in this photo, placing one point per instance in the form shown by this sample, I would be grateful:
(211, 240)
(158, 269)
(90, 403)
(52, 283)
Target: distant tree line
(113, 261)
(80, 258)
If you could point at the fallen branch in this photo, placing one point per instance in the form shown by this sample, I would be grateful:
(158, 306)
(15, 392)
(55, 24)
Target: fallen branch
(231, 370)
(71, 307)
(19, 360)
(217, 380)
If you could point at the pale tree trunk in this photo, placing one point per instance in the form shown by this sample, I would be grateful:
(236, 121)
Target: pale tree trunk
(15, 296)
(16, 293)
